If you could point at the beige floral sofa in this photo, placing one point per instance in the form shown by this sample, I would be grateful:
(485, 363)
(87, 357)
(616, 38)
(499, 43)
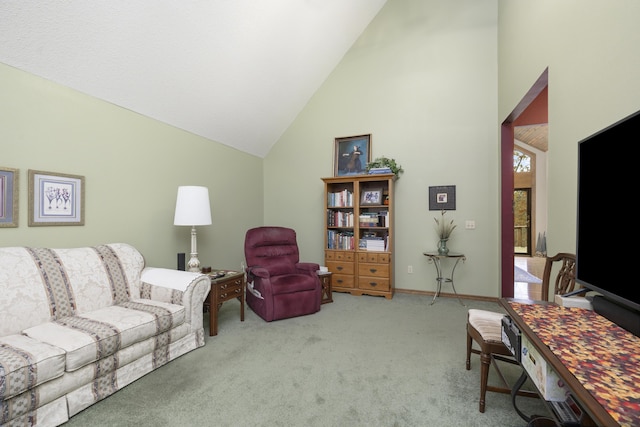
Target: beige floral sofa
(78, 324)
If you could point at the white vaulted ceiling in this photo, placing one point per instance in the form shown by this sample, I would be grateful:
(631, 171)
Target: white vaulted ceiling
(233, 71)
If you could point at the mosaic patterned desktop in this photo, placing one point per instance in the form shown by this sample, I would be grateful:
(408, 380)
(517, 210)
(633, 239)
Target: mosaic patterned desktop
(602, 356)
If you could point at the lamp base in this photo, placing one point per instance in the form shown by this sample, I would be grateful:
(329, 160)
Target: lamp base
(194, 262)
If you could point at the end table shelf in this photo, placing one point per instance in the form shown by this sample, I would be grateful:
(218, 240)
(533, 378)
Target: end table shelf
(327, 292)
(223, 289)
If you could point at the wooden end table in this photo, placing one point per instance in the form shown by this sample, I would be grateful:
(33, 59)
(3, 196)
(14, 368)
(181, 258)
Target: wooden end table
(325, 280)
(224, 288)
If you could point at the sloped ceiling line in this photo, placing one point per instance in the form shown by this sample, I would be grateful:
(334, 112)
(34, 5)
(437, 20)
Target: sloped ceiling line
(208, 67)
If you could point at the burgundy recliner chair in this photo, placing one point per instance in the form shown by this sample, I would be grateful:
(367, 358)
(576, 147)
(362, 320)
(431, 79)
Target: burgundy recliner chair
(279, 286)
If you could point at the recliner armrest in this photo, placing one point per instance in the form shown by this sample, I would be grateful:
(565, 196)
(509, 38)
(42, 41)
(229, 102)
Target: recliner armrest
(308, 267)
(261, 272)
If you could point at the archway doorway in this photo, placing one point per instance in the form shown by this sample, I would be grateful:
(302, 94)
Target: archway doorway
(532, 109)
(522, 221)
(527, 182)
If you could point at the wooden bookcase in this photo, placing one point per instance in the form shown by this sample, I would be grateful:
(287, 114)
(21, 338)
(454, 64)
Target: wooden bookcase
(358, 238)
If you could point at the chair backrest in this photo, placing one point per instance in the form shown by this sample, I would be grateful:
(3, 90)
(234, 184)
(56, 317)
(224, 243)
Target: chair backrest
(273, 248)
(565, 279)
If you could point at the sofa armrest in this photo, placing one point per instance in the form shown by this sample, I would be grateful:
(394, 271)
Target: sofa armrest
(177, 287)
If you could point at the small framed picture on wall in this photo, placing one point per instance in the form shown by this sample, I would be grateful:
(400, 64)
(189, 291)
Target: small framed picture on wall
(442, 197)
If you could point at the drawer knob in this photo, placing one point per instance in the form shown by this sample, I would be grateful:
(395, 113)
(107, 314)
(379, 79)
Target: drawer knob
(373, 284)
(373, 270)
(339, 268)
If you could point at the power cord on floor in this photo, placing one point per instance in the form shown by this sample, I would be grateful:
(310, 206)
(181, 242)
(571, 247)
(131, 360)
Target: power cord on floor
(533, 420)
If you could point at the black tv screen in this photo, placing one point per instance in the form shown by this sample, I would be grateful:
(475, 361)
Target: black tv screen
(606, 234)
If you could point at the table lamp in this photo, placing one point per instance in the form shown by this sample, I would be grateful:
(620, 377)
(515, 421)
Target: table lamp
(193, 208)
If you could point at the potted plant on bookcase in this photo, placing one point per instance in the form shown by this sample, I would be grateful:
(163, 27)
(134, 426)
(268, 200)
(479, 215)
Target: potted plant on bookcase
(384, 165)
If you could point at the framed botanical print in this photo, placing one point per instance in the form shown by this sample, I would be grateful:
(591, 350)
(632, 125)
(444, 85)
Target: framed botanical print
(55, 199)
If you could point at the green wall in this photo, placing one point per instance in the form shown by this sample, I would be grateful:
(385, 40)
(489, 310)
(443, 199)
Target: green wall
(433, 81)
(430, 80)
(591, 50)
(422, 79)
(132, 167)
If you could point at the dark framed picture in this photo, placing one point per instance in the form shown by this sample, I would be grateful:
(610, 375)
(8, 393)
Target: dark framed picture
(352, 154)
(55, 199)
(442, 197)
(371, 197)
(8, 197)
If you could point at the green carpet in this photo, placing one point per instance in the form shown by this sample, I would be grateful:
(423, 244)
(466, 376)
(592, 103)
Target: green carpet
(360, 361)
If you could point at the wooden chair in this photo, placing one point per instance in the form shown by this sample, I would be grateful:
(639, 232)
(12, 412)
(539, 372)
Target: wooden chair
(485, 328)
(565, 278)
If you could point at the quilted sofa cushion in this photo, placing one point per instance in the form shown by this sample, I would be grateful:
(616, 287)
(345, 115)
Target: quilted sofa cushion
(26, 363)
(41, 284)
(95, 335)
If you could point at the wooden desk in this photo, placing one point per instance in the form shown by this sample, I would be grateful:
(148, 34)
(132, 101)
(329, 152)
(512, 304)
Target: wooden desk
(225, 288)
(597, 360)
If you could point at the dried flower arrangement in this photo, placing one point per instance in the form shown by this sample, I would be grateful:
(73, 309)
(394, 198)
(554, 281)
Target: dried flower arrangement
(443, 228)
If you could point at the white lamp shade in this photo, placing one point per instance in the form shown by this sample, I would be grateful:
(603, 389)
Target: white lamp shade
(192, 206)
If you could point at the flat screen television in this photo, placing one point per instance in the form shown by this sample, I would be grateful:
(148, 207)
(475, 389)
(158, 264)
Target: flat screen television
(606, 234)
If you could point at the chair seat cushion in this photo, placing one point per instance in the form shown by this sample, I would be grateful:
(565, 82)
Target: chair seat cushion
(487, 323)
(290, 283)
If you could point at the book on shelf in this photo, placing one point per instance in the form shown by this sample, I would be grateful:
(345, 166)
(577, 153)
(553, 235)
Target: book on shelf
(382, 170)
(373, 244)
(368, 219)
(340, 240)
(342, 198)
(374, 219)
(339, 218)
(383, 218)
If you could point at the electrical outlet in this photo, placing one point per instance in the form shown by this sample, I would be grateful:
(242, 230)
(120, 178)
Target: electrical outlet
(470, 224)
(410, 269)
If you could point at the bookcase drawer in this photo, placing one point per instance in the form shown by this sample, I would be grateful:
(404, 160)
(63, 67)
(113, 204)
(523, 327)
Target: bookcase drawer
(374, 284)
(385, 257)
(339, 256)
(340, 281)
(369, 270)
(340, 267)
(373, 257)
